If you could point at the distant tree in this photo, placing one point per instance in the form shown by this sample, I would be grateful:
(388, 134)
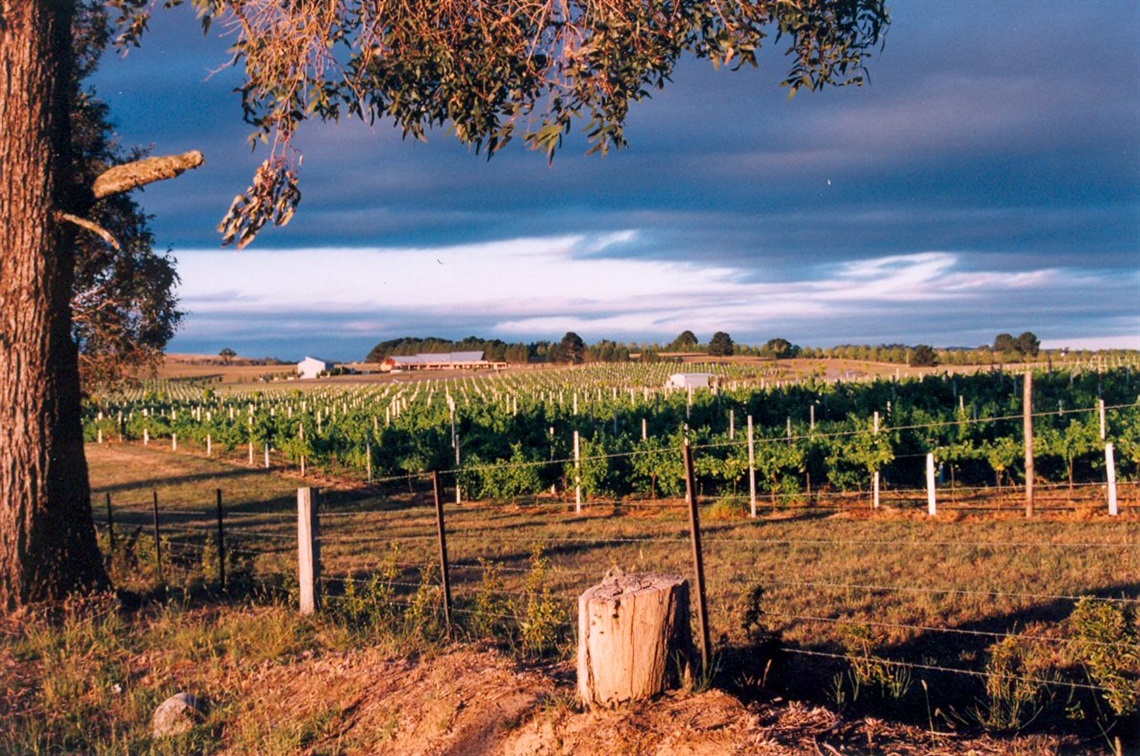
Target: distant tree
(650, 355)
(227, 354)
(924, 355)
(607, 351)
(571, 349)
(686, 342)
(1004, 342)
(1028, 344)
(721, 345)
(779, 348)
(516, 354)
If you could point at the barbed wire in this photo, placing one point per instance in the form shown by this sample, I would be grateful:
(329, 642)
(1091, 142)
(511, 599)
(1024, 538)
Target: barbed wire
(950, 670)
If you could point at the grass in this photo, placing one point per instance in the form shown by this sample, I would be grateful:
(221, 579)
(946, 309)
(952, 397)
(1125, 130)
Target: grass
(861, 592)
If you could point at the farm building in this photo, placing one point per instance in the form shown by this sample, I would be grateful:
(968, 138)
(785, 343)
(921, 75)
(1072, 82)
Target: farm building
(311, 367)
(690, 380)
(440, 361)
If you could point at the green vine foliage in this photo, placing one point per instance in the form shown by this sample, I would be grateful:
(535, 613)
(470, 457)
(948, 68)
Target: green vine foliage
(1107, 641)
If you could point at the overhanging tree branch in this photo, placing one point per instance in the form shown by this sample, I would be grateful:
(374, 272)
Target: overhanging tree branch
(128, 176)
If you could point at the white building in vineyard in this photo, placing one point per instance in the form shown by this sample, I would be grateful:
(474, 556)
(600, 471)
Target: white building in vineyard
(311, 367)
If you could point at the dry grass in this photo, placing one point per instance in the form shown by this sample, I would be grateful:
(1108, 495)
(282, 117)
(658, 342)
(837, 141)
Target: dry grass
(937, 592)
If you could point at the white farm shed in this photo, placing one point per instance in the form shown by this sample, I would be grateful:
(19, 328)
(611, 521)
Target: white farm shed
(437, 361)
(311, 367)
(690, 380)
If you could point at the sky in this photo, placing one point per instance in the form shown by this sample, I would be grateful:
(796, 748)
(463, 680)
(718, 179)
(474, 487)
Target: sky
(986, 181)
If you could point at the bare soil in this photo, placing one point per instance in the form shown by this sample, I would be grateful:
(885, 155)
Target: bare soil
(471, 701)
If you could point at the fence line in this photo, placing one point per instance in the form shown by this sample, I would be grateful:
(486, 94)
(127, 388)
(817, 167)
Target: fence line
(242, 526)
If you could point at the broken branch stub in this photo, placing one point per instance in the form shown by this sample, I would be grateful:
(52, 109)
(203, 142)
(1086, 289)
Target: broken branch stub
(128, 176)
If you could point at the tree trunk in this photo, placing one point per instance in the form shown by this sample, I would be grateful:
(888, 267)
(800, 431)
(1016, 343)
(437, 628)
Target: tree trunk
(47, 537)
(634, 638)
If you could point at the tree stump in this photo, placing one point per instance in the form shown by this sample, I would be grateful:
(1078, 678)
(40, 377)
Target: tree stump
(634, 638)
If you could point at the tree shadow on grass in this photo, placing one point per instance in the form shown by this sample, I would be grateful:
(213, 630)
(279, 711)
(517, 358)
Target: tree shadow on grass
(937, 694)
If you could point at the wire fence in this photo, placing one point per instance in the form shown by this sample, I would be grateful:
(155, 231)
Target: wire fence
(923, 595)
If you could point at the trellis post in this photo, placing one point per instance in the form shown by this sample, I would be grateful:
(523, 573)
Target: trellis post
(308, 549)
(751, 468)
(1110, 469)
(577, 473)
(1027, 424)
(931, 501)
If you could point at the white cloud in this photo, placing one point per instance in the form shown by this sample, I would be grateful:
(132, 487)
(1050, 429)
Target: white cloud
(532, 288)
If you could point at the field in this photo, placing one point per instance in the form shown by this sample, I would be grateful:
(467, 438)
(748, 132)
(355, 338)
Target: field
(887, 613)
(832, 621)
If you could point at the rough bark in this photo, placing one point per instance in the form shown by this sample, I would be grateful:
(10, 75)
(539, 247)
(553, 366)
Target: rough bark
(633, 638)
(47, 537)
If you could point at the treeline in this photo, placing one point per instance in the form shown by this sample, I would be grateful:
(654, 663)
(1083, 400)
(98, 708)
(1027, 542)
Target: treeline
(572, 349)
(493, 349)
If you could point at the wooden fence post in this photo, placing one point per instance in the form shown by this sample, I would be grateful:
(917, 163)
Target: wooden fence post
(698, 558)
(221, 541)
(931, 502)
(110, 532)
(442, 551)
(1027, 423)
(309, 549)
(157, 541)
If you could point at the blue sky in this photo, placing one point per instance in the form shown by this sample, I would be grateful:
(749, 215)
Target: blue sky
(988, 180)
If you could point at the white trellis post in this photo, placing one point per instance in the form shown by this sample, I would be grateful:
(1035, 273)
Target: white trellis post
(1110, 468)
(751, 467)
(308, 550)
(455, 445)
(1103, 425)
(577, 474)
(931, 501)
(875, 475)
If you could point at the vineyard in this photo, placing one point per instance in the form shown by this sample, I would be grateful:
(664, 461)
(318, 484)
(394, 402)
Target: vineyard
(976, 620)
(614, 433)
